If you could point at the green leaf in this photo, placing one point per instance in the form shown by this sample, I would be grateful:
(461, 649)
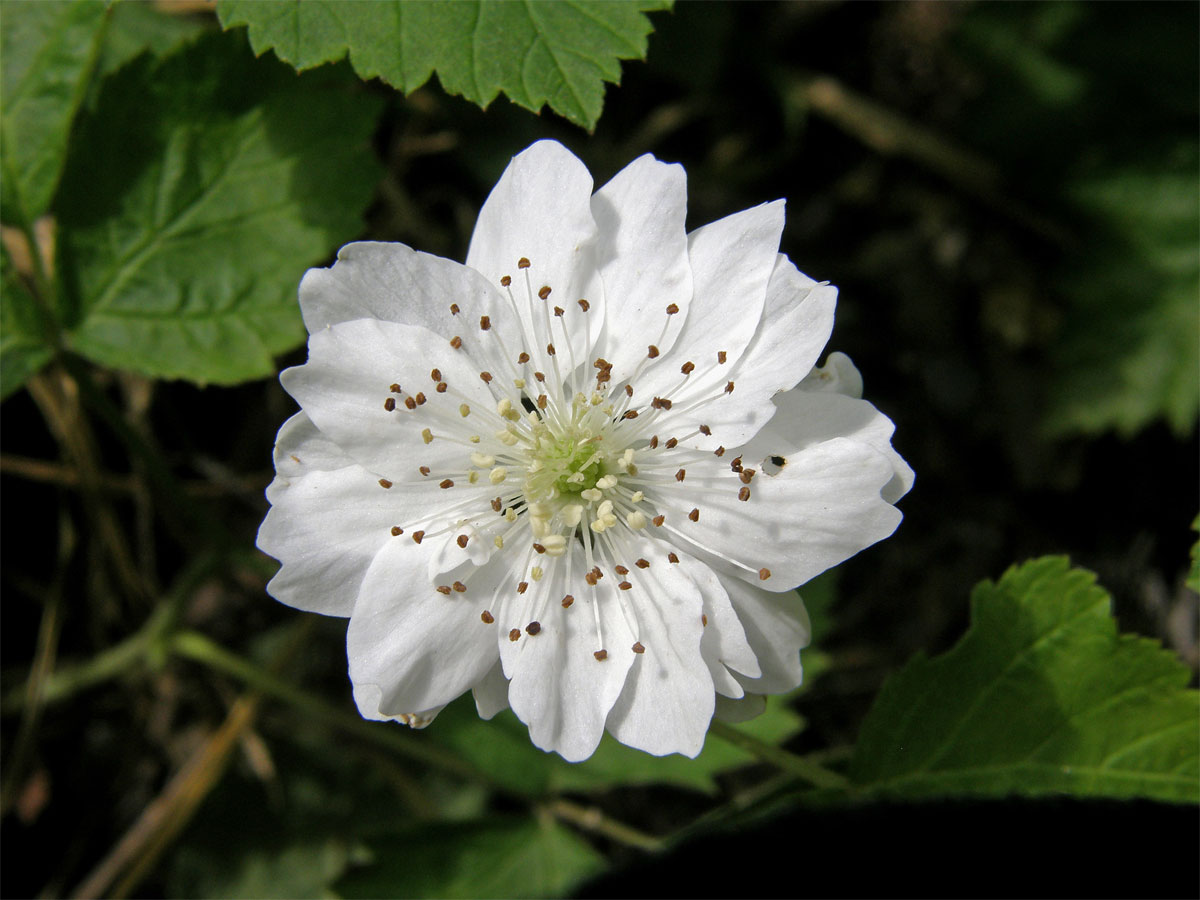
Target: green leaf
(497, 857)
(198, 191)
(557, 54)
(22, 349)
(136, 27)
(1040, 696)
(47, 52)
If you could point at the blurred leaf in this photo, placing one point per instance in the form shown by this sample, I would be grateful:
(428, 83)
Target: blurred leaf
(197, 193)
(1040, 696)
(22, 349)
(1193, 578)
(1130, 353)
(48, 50)
(497, 857)
(135, 27)
(298, 870)
(556, 54)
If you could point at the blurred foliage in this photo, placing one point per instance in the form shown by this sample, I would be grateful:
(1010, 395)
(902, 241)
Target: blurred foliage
(1006, 196)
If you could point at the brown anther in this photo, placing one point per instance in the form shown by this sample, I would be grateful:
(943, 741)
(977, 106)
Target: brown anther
(522, 587)
(542, 400)
(601, 655)
(515, 634)
(397, 531)
(538, 548)
(681, 474)
(658, 520)
(447, 483)
(395, 389)
(435, 374)
(596, 571)
(704, 620)
(443, 589)
(721, 357)
(688, 367)
(705, 430)
(420, 398)
(567, 601)
(629, 390)
(746, 475)
(462, 541)
(460, 587)
(486, 617)
(624, 585)
(638, 648)
(533, 627)
(550, 349)
(523, 263)
(485, 377)
(671, 557)
(540, 376)
(729, 388)
(630, 414)
(410, 402)
(584, 305)
(642, 563)
(485, 323)
(558, 311)
(671, 443)
(654, 442)
(672, 309)
(744, 494)
(603, 378)
(620, 570)
(694, 515)
(601, 363)
(652, 352)
(454, 309)
(544, 291)
(523, 358)
(590, 578)
(424, 470)
(389, 404)
(417, 536)
(384, 483)
(736, 465)
(720, 451)
(764, 573)
(505, 280)
(456, 342)
(441, 387)
(497, 504)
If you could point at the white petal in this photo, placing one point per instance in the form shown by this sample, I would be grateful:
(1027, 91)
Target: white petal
(732, 260)
(558, 687)
(777, 627)
(668, 699)
(820, 509)
(328, 520)
(491, 693)
(838, 374)
(540, 210)
(643, 259)
(807, 417)
(420, 649)
(345, 383)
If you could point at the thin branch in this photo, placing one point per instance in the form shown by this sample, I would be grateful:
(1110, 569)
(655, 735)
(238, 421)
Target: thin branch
(802, 768)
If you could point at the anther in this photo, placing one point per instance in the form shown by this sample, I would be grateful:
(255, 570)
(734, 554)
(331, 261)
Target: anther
(384, 483)
(705, 430)
(454, 309)
(654, 442)
(671, 557)
(515, 634)
(720, 451)
(630, 414)
(671, 443)
(540, 376)
(424, 470)
(590, 578)
(601, 655)
(538, 548)
(389, 404)
(487, 618)
(522, 587)
(658, 520)
(694, 515)
(456, 342)
(624, 585)
(443, 589)
(721, 357)
(523, 358)
(543, 292)
(584, 305)
(497, 504)
(420, 398)
(542, 400)
(652, 352)
(736, 465)
(558, 311)
(704, 620)
(638, 648)
(764, 573)
(441, 387)
(427, 435)
(523, 263)
(435, 374)
(486, 377)
(550, 349)
(462, 541)
(485, 322)
(629, 390)
(729, 388)
(417, 536)
(397, 531)
(410, 402)
(533, 627)
(505, 280)
(621, 570)
(746, 475)
(744, 494)
(395, 389)
(460, 587)
(688, 367)
(681, 474)
(672, 309)
(567, 601)
(446, 484)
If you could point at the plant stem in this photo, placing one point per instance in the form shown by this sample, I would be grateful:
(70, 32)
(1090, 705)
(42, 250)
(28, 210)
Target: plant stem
(592, 819)
(802, 768)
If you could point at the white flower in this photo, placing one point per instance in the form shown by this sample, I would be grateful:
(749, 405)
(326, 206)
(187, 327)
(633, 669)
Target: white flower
(581, 474)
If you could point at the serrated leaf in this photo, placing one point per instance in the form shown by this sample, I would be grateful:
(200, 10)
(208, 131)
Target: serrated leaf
(47, 52)
(22, 349)
(498, 857)
(1040, 696)
(556, 54)
(136, 27)
(199, 190)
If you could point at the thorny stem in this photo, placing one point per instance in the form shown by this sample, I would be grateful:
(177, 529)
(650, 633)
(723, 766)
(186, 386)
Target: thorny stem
(801, 768)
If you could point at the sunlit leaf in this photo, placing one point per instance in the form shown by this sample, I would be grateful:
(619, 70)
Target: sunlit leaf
(1042, 695)
(554, 54)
